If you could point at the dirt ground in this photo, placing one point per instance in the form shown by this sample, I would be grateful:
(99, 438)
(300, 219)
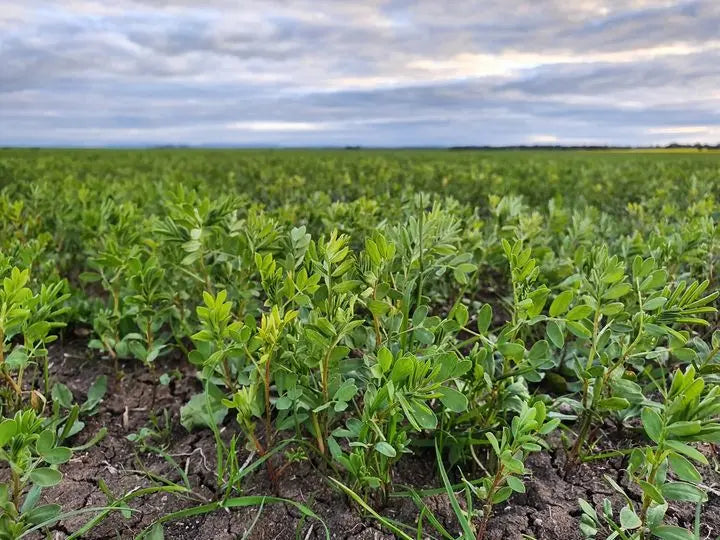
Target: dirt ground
(548, 510)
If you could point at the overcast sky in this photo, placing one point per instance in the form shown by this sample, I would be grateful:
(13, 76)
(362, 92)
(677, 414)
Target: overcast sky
(383, 73)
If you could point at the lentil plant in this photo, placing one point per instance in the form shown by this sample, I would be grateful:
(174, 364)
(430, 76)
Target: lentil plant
(360, 312)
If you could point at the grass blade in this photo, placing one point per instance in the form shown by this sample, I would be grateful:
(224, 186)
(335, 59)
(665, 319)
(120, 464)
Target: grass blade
(383, 521)
(468, 533)
(235, 502)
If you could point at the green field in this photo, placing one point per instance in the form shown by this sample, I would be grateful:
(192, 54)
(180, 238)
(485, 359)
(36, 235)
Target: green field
(352, 316)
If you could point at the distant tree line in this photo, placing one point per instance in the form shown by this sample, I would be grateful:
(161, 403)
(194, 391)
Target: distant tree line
(698, 146)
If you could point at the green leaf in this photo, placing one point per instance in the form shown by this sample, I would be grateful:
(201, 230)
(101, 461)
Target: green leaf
(385, 358)
(685, 354)
(656, 514)
(681, 491)
(452, 399)
(378, 308)
(385, 449)
(512, 350)
(45, 441)
(617, 291)
(17, 359)
(539, 351)
(555, 335)
(96, 392)
(424, 336)
(45, 477)
(346, 286)
(461, 315)
(579, 329)
(194, 413)
(484, 318)
(8, 428)
(684, 428)
(493, 442)
(683, 468)
(654, 280)
(652, 423)
(613, 404)
(579, 312)
(516, 484)
(423, 414)
(61, 395)
(89, 277)
(612, 309)
(671, 532)
(689, 451)
(156, 533)
(58, 455)
(402, 369)
(561, 303)
(502, 495)
(420, 315)
(467, 528)
(654, 303)
(339, 353)
(587, 508)
(346, 391)
(651, 491)
(283, 403)
(629, 519)
(42, 514)
(31, 498)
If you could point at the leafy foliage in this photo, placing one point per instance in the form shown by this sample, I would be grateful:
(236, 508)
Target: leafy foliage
(353, 308)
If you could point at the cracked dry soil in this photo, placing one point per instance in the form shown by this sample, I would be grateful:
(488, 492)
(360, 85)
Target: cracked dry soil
(548, 510)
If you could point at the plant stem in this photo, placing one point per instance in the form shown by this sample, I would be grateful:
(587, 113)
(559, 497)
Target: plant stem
(46, 376)
(16, 489)
(650, 479)
(318, 434)
(227, 372)
(268, 419)
(487, 508)
(5, 374)
(153, 374)
(376, 322)
(597, 391)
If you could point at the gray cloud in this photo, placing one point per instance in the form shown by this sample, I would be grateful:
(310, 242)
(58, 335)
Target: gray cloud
(372, 73)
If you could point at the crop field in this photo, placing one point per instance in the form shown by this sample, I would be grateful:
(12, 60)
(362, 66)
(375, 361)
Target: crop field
(365, 344)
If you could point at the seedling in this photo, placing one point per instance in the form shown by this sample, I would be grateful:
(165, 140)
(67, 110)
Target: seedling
(32, 454)
(32, 317)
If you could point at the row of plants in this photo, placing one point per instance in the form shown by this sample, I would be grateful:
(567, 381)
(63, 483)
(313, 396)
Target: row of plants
(352, 309)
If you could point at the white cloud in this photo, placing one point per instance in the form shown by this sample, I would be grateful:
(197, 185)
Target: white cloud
(510, 62)
(542, 139)
(681, 130)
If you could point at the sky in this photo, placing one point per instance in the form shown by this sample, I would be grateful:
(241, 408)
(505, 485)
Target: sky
(364, 72)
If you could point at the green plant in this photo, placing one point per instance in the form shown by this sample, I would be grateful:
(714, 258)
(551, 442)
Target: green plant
(32, 454)
(395, 405)
(351, 308)
(618, 331)
(65, 418)
(521, 438)
(32, 317)
(664, 470)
